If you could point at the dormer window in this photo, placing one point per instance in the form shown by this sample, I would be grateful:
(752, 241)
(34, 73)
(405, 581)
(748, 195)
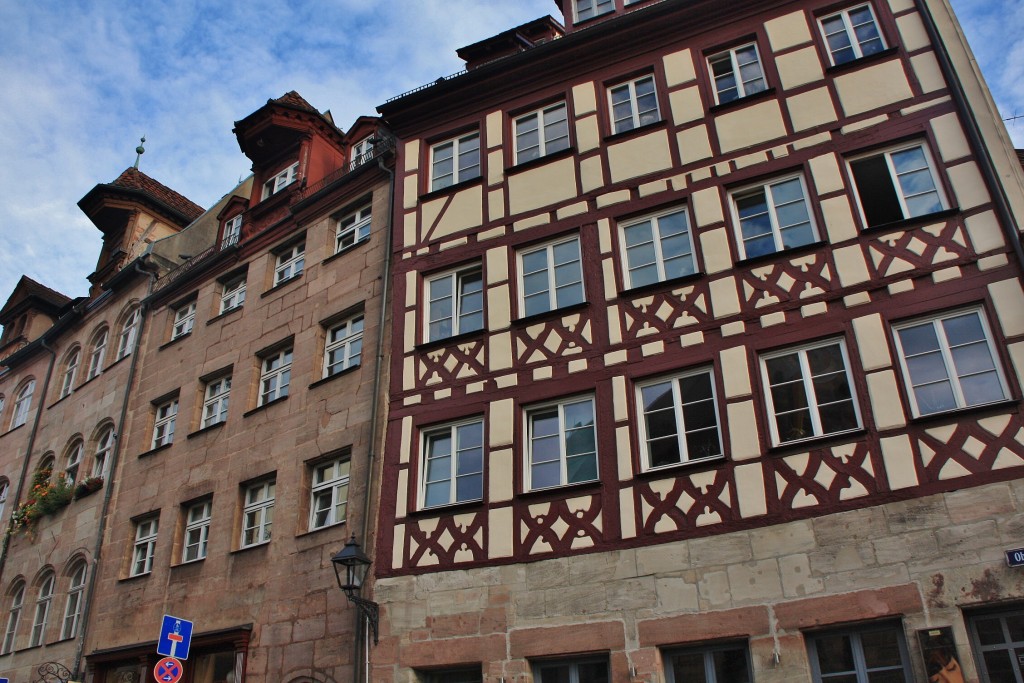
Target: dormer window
(588, 9)
(281, 180)
(232, 230)
(361, 152)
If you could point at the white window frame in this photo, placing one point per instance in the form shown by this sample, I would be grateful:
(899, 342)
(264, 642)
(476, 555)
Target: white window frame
(345, 350)
(280, 180)
(126, 339)
(765, 189)
(658, 240)
(232, 231)
(104, 447)
(559, 407)
(258, 513)
(196, 537)
(742, 90)
(73, 461)
(144, 547)
(353, 228)
(73, 605)
(215, 401)
(458, 453)
(361, 152)
(945, 352)
(42, 614)
(848, 28)
(4, 489)
(67, 384)
(290, 263)
(588, 9)
(551, 290)
(232, 294)
(459, 317)
(329, 484)
(99, 351)
(13, 619)
(807, 384)
(184, 319)
(887, 154)
(275, 376)
(636, 117)
(678, 408)
(539, 117)
(460, 173)
(164, 416)
(23, 404)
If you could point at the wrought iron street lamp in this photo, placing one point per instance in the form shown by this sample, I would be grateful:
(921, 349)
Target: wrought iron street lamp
(350, 566)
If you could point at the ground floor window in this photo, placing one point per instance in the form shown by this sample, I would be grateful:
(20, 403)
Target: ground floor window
(719, 663)
(998, 643)
(874, 653)
(589, 670)
(462, 675)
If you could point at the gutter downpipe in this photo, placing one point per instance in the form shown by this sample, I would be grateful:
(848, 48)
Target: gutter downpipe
(109, 489)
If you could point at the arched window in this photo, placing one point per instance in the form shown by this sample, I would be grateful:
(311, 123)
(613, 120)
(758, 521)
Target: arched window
(42, 609)
(97, 353)
(2, 401)
(104, 446)
(17, 594)
(23, 404)
(47, 463)
(72, 460)
(126, 340)
(67, 382)
(73, 607)
(4, 487)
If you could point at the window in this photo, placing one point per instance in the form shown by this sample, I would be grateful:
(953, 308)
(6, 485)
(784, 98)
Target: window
(73, 607)
(737, 73)
(23, 404)
(455, 303)
(126, 340)
(344, 346)
(552, 276)
(587, 9)
(42, 610)
(995, 638)
(679, 419)
(634, 104)
(658, 248)
(541, 132)
(455, 161)
(453, 464)
(13, 617)
(281, 180)
(197, 531)
(99, 350)
(467, 675)
(329, 494)
(290, 263)
(722, 663)
(104, 447)
(258, 513)
(4, 488)
(47, 463)
(145, 545)
(361, 152)
(950, 362)
(184, 318)
(73, 460)
(562, 444)
(232, 294)
(593, 670)
(215, 401)
(163, 425)
(810, 392)
(774, 217)
(67, 383)
(353, 228)
(864, 655)
(851, 34)
(276, 374)
(232, 231)
(897, 184)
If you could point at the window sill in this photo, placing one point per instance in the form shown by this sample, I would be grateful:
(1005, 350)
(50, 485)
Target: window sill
(61, 399)
(546, 315)
(742, 102)
(310, 532)
(245, 549)
(451, 189)
(451, 341)
(224, 314)
(661, 284)
(174, 341)
(350, 248)
(870, 59)
(635, 132)
(266, 405)
(815, 442)
(448, 509)
(561, 491)
(127, 355)
(325, 380)
(153, 451)
(282, 284)
(208, 428)
(908, 223)
(687, 466)
(91, 379)
(540, 161)
(190, 563)
(12, 429)
(782, 253)
(958, 413)
(135, 577)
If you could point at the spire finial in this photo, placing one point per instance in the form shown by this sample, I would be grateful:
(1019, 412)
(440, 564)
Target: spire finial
(139, 151)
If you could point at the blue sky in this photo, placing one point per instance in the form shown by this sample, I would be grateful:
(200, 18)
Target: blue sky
(84, 80)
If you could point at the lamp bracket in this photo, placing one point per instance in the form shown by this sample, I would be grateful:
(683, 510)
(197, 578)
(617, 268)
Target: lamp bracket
(369, 609)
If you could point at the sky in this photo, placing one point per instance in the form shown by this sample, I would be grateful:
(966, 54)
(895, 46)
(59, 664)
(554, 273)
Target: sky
(83, 81)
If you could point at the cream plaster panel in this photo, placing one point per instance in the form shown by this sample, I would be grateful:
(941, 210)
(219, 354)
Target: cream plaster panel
(734, 328)
(500, 532)
(799, 68)
(409, 334)
(984, 231)
(499, 352)
(949, 135)
(496, 204)
(856, 299)
(627, 513)
(851, 266)
(707, 206)
(826, 175)
(412, 156)
(588, 135)
(499, 309)
(619, 400)
(679, 68)
(872, 87)
(735, 372)
(411, 289)
(409, 374)
(571, 210)
(494, 123)
(409, 229)
(951, 273)
(584, 98)
(542, 186)
(898, 457)
(750, 490)
(886, 402)
(817, 308)
(811, 108)
(497, 265)
(616, 357)
(725, 300)
(714, 246)
(864, 123)
(639, 156)
(623, 453)
(900, 287)
(495, 167)
(609, 198)
(694, 144)
(500, 469)
(656, 187)
(928, 73)
(773, 319)
(404, 454)
(1008, 299)
(501, 422)
(401, 504)
(614, 326)
(604, 235)
(398, 546)
(872, 341)
(898, 6)
(838, 219)
(686, 105)
(610, 290)
(912, 32)
(787, 30)
(1017, 358)
(992, 262)
(532, 222)
(968, 185)
(464, 212)
(591, 173)
(751, 125)
(409, 194)
(743, 441)
(654, 348)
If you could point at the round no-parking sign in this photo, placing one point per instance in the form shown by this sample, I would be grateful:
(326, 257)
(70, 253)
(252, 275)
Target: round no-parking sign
(168, 670)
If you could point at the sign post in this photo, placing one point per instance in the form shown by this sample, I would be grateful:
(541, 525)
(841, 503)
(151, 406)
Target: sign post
(175, 638)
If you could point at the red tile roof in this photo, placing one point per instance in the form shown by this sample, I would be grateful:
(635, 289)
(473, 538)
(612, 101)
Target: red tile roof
(28, 288)
(135, 179)
(294, 99)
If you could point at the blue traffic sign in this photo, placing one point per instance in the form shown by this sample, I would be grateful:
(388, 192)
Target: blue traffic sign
(1015, 558)
(5, 680)
(175, 637)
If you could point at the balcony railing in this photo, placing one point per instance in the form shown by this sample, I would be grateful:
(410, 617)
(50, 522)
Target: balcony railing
(383, 143)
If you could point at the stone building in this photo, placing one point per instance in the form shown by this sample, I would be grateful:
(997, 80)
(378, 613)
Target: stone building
(708, 353)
